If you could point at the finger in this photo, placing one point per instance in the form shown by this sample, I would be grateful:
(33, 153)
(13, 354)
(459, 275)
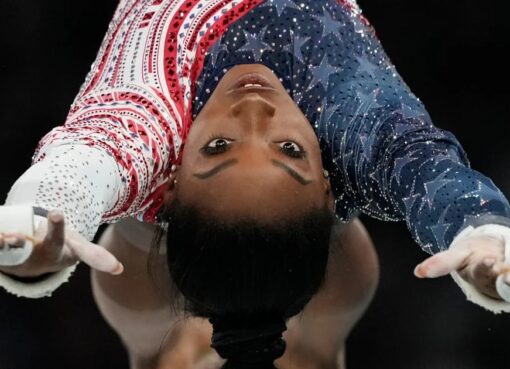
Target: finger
(501, 268)
(485, 269)
(442, 263)
(482, 275)
(506, 279)
(13, 239)
(95, 256)
(55, 234)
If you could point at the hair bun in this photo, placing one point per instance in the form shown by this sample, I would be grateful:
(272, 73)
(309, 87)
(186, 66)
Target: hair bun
(248, 343)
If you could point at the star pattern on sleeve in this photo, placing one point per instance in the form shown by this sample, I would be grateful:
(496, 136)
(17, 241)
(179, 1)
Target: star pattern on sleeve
(329, 24)
(296, 46)
(280, 5)
(432, 187)
(385, 156)
(321, 71)
(401, 162)
(255, 43)
(365, 66)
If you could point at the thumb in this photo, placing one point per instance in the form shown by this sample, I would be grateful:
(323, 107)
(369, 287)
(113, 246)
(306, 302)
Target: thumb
(55, 230)
(95, 256)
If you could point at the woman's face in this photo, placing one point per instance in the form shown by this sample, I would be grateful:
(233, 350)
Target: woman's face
(251, 152)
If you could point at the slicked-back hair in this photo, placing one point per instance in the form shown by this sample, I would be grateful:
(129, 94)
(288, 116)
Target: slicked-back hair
(245, 269)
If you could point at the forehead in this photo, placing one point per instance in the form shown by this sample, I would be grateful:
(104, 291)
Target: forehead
(283, 117)
(263, 191)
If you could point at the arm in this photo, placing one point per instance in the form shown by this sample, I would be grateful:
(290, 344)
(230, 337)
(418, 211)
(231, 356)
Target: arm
(110, 158)
(79, 180)
(389, 161)
(386, 157)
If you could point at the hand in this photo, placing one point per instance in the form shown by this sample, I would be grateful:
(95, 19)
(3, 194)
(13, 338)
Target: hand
(480, 261)
(57, 247)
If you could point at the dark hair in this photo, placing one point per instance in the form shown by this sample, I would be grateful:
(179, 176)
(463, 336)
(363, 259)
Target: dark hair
(248, 277)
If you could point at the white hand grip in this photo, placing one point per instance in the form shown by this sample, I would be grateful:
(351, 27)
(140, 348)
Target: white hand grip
(503, 288)
(16, 218)
(472, 293)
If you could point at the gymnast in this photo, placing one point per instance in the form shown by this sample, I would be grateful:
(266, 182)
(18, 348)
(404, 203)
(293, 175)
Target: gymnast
(234, 131)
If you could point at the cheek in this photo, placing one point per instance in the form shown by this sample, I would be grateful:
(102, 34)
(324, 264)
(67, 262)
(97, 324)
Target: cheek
(190, 190)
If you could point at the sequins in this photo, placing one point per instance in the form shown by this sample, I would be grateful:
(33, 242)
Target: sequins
(384, 155)
(79, 180)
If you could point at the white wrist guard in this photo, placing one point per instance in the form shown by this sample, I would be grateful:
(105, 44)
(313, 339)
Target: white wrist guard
(16, 218)
(25, 219)
(496, 306)
(35, 290)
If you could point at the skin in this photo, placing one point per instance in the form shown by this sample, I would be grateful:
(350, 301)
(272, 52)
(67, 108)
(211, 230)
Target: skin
(315, 337)
(254, 178)
(480, 262)
(256, 123)
(57, 247)
(260, 182)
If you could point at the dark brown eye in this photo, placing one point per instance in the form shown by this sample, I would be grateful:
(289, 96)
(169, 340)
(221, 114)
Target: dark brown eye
(216, 146)
(290, 146)
(292, 149)
(218, 142)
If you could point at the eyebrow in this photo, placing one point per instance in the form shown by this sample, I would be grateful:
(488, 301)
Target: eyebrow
(216, 169)
(230, 162)
(291, 172)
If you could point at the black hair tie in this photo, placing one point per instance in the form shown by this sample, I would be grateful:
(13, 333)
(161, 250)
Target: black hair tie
(247, 344)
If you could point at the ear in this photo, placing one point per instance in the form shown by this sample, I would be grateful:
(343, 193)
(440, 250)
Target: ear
(169, 193)
(331, 197)
(328, 191)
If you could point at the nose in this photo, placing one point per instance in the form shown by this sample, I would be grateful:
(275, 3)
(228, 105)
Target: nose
(253, 108)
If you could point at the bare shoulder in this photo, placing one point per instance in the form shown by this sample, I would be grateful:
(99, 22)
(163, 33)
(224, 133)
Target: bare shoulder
(353, 266)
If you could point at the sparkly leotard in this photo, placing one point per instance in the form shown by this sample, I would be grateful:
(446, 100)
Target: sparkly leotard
(161, 60)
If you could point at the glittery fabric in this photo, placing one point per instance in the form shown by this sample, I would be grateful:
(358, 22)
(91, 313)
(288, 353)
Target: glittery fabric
(161, 60)
(135, 101)
(80, 180)
(385, 157)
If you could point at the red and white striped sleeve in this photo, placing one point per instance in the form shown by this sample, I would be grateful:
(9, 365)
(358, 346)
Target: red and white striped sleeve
(111, 157)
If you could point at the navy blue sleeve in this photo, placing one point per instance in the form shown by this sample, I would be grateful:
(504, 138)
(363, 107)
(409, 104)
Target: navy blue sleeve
(386, 157)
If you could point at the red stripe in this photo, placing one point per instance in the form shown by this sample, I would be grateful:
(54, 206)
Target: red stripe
(349, 6)
(210, 37)
(157, 2)
(170, 109)
(170, 55)
(156, 199)
(204, 20)
(115, 74)
(126, 164)
(106, 54)
(133, 98)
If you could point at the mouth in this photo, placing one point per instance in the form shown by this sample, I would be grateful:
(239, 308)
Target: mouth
(251, 82)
